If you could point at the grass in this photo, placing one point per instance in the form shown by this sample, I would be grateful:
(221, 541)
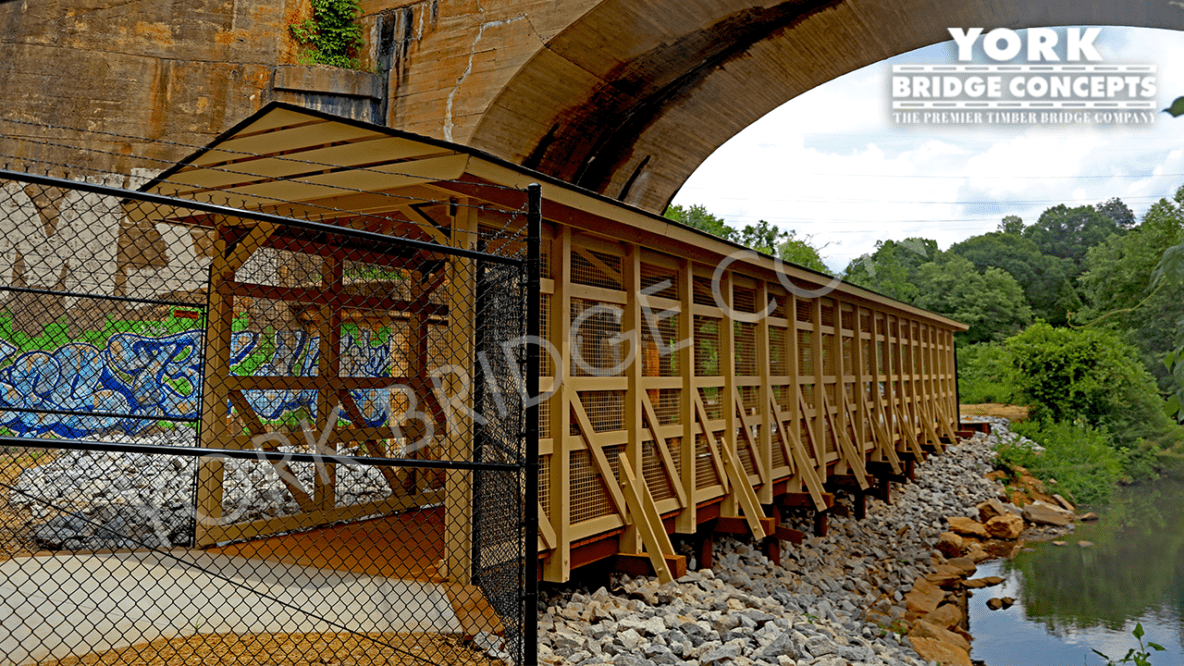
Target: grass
(1080, 458)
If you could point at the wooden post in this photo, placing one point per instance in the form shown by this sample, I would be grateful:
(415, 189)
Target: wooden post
(819, 423)
(687, 521)
(727, 398)
(839, 418)
(632, 325)
(860, 388)
(214, 428)
(328, 365)
(794, 431)
(764, 452)
(557, 568)
(458, 489)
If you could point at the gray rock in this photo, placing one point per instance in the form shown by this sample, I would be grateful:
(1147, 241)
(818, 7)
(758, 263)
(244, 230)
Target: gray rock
(719, 655)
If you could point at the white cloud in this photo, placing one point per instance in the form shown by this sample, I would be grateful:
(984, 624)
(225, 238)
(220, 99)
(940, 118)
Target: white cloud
(855, 177)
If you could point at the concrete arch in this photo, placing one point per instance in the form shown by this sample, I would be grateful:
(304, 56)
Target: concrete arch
(631, 97)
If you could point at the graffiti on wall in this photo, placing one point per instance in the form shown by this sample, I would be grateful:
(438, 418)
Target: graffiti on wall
(82, 389)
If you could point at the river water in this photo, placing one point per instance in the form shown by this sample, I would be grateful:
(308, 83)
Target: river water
(1070, 599)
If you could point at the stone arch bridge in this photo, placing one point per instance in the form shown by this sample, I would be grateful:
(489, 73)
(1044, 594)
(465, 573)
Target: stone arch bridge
(623, 97)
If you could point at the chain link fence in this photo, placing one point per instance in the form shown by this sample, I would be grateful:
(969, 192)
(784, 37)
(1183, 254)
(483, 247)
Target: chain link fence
(230, 436)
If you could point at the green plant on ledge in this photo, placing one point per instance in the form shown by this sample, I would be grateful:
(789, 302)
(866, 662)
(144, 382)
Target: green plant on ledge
(332, 36)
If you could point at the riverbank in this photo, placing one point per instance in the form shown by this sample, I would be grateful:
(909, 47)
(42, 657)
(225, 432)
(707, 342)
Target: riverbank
(818, 608)
(880, 591)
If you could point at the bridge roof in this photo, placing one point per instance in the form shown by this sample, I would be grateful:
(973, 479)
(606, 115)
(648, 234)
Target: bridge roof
(289, 160)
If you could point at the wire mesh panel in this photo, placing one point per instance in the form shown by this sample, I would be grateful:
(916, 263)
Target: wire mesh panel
(244, 438)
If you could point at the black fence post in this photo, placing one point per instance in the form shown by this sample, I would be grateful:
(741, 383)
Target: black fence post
(534, 243)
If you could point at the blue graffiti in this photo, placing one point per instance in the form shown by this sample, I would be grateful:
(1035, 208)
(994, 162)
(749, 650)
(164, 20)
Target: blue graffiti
(79, 389)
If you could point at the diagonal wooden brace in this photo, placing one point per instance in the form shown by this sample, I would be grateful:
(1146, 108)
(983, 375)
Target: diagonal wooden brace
(645, 516)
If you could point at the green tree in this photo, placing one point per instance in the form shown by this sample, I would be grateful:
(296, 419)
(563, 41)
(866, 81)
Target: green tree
(892, 268)
(762, 237)
(696, 216)
(1118, 286)
(1088, 374)
(991, 302)
(1070, 232)
(1118, 211)
(1046, 280)
(1012, 224)
(801, 252)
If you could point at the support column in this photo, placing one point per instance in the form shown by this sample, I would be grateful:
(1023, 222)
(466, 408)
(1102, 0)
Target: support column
(764, 417)
(458, 485)
(631, 326)
(819, 423)
(328, 366)
(687, 520)
(727, 368)
(214, 428)
(558, 566)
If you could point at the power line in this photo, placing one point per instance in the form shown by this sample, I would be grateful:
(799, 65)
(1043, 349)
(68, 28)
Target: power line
(1010, 202)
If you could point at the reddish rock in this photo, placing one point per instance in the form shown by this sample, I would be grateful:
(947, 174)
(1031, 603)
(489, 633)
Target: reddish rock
(949, 544)
(926, 629)
(1041, 514)
(946, 576)
(967, 527)
(931, 649)
(923, 598)
(989, 509)
(946, 616)
(963, 564)
(976, 553)
(1008, 526)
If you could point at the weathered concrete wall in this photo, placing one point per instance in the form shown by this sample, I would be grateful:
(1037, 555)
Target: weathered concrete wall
(173, 71)
(624, 97)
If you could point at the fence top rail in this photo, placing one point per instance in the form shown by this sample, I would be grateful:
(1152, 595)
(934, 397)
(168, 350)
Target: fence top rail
(215, 209)
(254, 454)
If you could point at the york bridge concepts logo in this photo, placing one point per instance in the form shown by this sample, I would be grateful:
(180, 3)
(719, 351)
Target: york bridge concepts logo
(1053, 77)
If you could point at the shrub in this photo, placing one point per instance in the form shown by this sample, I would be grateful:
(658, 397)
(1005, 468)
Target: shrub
(1089, 375)
(984, 374)
(1078, 456)
(332, 36)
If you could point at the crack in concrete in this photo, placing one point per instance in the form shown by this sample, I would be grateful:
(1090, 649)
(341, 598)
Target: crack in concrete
(448, 124)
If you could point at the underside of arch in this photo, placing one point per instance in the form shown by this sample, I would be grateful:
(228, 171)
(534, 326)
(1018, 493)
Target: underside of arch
(629, 99)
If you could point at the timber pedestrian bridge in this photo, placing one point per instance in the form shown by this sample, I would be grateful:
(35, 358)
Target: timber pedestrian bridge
(693, 387)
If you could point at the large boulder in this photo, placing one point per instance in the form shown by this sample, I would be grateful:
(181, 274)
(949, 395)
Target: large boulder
(950, 544)
(1042, 514)
(946, 576)
(963, 564)
(946, 616)
(931, 649)
(967, 527)
(926, 629)
(989, 509)
(1007, 526)
(924, 597)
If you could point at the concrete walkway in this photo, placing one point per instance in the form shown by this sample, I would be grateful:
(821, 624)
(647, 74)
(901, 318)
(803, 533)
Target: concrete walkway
(62, 605)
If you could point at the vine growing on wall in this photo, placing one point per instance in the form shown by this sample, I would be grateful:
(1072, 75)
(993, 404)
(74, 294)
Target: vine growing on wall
(333, 35)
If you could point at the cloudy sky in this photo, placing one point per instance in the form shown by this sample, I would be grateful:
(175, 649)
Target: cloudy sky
(832, 165)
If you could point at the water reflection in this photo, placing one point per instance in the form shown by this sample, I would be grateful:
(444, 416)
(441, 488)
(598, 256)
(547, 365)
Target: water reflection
(1072, 599)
